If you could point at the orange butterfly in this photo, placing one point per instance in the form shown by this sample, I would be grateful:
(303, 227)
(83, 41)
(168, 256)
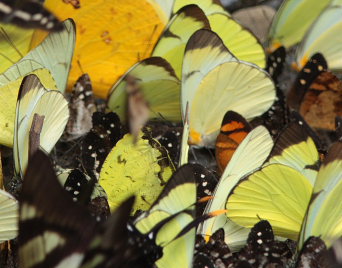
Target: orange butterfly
(233, 130)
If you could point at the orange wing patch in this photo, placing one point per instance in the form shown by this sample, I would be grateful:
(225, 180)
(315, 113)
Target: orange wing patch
(322, 102)
(233, 130)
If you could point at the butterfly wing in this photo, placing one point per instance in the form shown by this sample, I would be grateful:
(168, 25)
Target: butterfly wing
(29, 14)
(233, 130)
(55, 53)
(141, 169)
(292, 21)
(179, 195)
(160, 87)
(172, 43)
(8, 216)
(53, 230)
(10, 82)
(296, 148)
(241, 42)
(277, 193)
(326, 27)
(208, 6)
(250, 155)
(204, 51)
(249, 91)
(111, 37)
(321, 219)
(35, 99)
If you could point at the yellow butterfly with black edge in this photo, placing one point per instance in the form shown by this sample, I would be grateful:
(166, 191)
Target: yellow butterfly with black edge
(243, 44)
(292, 21)
(181, 26)
(326, 27)
(249, 155)
(9, 208)
(141, 169)
(178, 198)
(36, 103)
(282, 189)
(50, 61)
(214, 81)
(54, 231)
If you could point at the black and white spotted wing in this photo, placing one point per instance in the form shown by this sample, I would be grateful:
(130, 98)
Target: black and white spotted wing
(214, 252)
(313, 254)
(275, 62)
(96, 145)
(28, 14)
(263, 249)
(316, 65)
(206, 182)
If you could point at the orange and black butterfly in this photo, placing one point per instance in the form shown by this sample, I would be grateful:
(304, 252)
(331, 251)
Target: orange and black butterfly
(316, 65)
(319, 99)
(233, 130)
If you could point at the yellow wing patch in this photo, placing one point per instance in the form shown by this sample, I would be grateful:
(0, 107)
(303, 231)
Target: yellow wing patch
(133, 169)
(111, 37)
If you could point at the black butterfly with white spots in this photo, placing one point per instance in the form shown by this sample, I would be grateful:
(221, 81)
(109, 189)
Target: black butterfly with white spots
(28, 14)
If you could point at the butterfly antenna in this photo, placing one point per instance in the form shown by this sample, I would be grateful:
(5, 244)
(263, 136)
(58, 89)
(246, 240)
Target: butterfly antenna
(80, 66)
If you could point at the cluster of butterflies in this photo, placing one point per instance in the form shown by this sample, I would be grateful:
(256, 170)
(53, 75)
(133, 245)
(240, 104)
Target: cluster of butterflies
(198, 158)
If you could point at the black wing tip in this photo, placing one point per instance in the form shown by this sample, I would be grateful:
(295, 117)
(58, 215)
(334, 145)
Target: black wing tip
(28, 82)
(205, 38)
(196, 12)
(231, 116)
(161, 62)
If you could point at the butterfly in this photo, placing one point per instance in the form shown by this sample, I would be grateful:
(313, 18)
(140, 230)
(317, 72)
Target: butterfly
(163, 69)
(240, 41)
(292, 21)
(317, 94)
(177, 198)
(54, 230)
(326, 27)
(168, 135)
(105, 47)
(294, 189)
(249, 155)
(81, 106)
(50, 61)
(141, 169)
(275, 62)
(28, 14)
(209, 94)
(233, 130)
(40, 119)
(82, 188)
(106, 131)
